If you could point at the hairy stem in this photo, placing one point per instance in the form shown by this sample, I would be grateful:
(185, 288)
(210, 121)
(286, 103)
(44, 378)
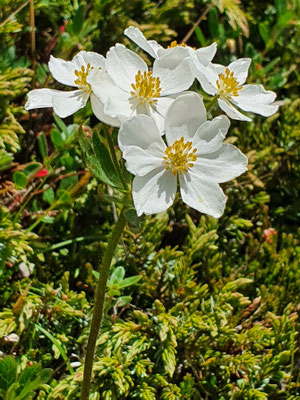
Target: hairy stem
(32, 34)
(99, 303)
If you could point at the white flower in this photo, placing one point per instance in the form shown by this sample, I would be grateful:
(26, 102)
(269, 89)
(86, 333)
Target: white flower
(175, 53)
(228, 84)
(128, 87)
(194, 152)
(72, 73)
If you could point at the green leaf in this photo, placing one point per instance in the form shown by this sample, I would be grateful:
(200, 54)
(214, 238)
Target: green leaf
(20, 179)
(47, 219)
(264, 32)
(32, 169)
(29, 374)
(67, 161)
(117, 276)
(95, 163)
(200, 36)
(42, 73)
(6, 160)
(32, 380)
(57, 138)
(43, 145)
(49, 195)
(213, 23)
(133, 280)
(57, 345)
(122, 301)
(280, 7)
(105, 160)
(62, 126)
(8, 372)
(64, 196)
(78, 20)
(11, 392)
(68, 182)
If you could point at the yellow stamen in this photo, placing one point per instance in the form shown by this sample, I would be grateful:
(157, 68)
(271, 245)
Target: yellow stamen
(81, 78)
(146, 88)
(180, 156)
(227, 84)
(175, 44)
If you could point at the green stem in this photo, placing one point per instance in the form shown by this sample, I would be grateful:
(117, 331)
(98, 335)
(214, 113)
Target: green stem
(98, 306)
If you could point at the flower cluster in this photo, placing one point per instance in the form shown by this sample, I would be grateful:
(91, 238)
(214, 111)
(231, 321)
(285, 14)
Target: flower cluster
(164, 134)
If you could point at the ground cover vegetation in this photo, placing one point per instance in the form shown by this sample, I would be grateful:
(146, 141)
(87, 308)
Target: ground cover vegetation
(196, 307)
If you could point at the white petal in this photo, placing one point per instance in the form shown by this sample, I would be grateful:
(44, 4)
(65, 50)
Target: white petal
(256, 99)
(119, 107)
(157, 117)
(140, 162)
(184, 116)
(154, 192)
(257, 94)
(67, 105)
(217, 68)
(64, 103)
(206, 76)
(160, 109)
(63, 71)
(202, 194)
(240, 69)
(221, 166)
(98, 110)
(41, 98)
(141, 131)
(103, 85)
(173, 56)
(163, 104)
(89, 57)
(210, 135)
(123, 65)
(206, 54)
(115, 100)
(150, 46)
(172, 79)
(231, 111)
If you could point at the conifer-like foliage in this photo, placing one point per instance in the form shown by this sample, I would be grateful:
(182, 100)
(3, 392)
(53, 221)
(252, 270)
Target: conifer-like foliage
(196, 308)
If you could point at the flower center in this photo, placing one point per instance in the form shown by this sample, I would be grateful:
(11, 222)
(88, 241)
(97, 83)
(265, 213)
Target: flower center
(81, 78)
(175, 44)
(227, 84)
(180, 156)
(146, 88)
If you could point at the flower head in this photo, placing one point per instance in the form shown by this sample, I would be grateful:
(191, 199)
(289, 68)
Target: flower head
(174, 53)
(194, 154)
(128, 87)
(71, 73)
(227, 83)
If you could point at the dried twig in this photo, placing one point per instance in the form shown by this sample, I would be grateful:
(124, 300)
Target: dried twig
(191, 31)
(14, 13)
